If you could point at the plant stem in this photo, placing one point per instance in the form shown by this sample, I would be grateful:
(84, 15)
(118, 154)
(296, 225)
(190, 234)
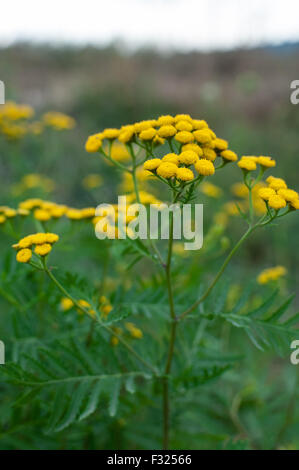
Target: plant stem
(165, 392)
(106, 327)
(219, 274)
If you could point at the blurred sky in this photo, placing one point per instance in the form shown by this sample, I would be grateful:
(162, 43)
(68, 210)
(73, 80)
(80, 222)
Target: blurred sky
(179, 24)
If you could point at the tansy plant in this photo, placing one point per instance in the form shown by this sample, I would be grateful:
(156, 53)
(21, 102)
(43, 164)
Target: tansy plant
(181, 154)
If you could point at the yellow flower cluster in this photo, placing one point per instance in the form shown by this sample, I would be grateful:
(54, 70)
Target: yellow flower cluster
(249, 163)
(277, 195)
(7, 212)
(15, 124)
(185, 131)
(240, 190)
(210, 189)
(43, 245)
(271, 274)
(134, 332)
(58, 121)
(46, 210)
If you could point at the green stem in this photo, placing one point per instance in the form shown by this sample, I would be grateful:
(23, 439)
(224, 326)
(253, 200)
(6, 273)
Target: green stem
(219, 274)
(106, 327)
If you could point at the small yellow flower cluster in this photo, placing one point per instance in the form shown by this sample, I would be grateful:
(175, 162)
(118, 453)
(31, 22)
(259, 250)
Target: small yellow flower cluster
(15, 124)
(182, 128)
(277, 195)
(58, 121)
(240, 190)
(46, 210)
(271, 274)
(249, 163)
(7, 212)
(33, 180)
(43, 245)
(134, 332)
(15, 112)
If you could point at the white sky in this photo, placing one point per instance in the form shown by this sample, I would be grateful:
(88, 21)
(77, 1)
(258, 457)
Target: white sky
(180, 24)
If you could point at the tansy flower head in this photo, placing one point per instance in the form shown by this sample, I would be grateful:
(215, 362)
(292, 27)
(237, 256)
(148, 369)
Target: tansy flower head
(184, 137)
(152, 164)
(266, 193)
(247, 163)
(24, 255)
(204, 167)
(276, 183)
(199, 124)
(229, 155)
(167, 170)
(93, 143)
(184, 126)
(167, 131)
(43, 250)
(188, 157)
(203, 136)
(66, 304)
(288, 194)
(221, 144)
(172, 158)
(209, 154)
(165, 120)
(276, 202)
(148, 134)
(266, 162)
(194, 147)
(294, 204)
(184, 174)
(42, 215)
(271, 274)
(111, 133)
(182, 117)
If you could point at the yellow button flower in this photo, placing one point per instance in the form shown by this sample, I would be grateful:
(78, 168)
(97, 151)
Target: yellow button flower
(203, 136)
(184, 174)
(188, 157)
(288, 194)
(266, 193)
(184, 126)
(229, 155)
(152, 164)
(209, 154)
(93, 143)
(266, 162)
(111, 133)
(43, 250)
(221, 144)
(277, 202)
(167, 131)
(204, 167)
(167, 170)
(247, 163)
(276, 183)
(171, 157)
(194, 147)
(148, 134)
(184, 137)
(24, 255)
(165, 120)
